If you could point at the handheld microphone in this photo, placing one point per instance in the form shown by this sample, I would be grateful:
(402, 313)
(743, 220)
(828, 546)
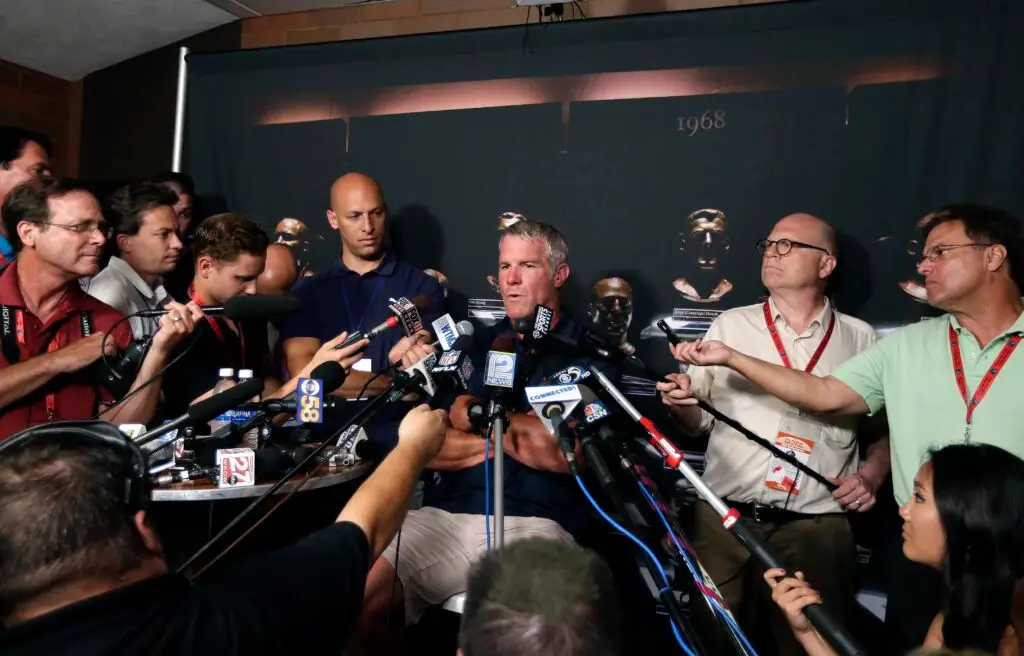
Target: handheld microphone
(453, 370)
(208, 409)
(417, 375)
(241, 307)
(554, 404)
(446, 340)
(181, 475)
(406, 314)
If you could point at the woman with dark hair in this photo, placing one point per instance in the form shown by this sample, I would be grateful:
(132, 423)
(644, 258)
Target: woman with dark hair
(966, 519)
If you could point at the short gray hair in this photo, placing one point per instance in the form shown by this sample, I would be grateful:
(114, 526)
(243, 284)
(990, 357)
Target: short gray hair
(558, 247)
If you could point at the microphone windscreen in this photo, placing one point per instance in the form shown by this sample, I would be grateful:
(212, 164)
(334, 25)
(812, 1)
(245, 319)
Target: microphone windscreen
(331, 374)
(249, 307)
(522, 326)
(462, 343)
(216, 405)
(465, 327)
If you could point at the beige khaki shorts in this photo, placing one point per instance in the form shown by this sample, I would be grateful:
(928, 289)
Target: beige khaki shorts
(438, 548)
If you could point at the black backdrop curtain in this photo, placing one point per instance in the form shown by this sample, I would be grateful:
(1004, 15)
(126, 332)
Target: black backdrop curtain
(869, 113)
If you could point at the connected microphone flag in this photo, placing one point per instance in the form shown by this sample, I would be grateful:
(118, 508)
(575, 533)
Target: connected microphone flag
(542, 399)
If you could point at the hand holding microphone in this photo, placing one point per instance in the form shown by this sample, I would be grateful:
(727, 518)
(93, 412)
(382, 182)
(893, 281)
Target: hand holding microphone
(675, 392)
(178, 321)
(702, 353)
(333, 351)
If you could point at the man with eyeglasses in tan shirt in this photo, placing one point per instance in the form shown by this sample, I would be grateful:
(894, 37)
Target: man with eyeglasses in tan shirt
(798, 327)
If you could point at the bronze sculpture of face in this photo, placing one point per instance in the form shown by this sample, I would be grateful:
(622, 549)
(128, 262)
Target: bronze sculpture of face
(611, 307)
(294, 234)
(706, 240)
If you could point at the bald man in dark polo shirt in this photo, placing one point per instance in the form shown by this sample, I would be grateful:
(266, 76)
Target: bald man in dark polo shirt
(353, 295)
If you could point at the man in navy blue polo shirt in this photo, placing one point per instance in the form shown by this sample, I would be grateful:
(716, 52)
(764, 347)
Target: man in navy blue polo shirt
(353, 293)
(440, 541)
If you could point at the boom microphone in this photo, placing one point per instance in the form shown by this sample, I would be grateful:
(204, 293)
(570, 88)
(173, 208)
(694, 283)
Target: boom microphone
(241, 307)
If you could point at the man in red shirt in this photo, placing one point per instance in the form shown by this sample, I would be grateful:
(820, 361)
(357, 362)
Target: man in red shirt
(51, 331)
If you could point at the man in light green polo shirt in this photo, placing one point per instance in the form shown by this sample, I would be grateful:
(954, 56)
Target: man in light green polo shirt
(955, 378)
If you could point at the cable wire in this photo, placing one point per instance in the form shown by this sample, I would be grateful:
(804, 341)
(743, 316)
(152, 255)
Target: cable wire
(661, 570)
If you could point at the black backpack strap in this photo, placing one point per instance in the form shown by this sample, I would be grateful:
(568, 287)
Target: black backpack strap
(9, 335)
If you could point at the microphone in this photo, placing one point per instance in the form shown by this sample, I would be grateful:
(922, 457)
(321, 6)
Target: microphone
(181, 475)
(241, 307)
(308, 402)
(417, 375)
(453, 370)
(554, 404)
(406, 314)
(208, 409)
(448, 332)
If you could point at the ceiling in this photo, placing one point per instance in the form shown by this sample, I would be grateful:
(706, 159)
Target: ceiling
(71, 38)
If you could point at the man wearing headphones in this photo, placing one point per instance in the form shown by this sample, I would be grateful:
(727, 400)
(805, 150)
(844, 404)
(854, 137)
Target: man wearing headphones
(82, 570)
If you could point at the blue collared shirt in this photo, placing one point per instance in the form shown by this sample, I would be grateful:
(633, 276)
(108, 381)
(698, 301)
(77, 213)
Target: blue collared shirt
(528, 492)
(339, 300)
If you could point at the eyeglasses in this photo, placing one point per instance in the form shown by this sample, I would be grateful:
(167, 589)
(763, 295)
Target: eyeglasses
(84, 228)
(784, 246)
(936, 252)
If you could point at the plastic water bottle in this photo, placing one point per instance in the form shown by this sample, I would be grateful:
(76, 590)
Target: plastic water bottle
(251, 439)
(226, 380)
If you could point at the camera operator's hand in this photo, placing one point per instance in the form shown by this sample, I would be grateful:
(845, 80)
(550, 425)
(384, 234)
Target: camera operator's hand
(81, 353)
(423, 430)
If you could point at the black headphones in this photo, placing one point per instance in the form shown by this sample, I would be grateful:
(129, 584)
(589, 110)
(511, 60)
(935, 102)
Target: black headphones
(133, 488)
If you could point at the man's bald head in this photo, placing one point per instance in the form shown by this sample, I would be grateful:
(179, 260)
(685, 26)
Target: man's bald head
(354, 184)
(359, 214)
(806, 261)
(816, 231)
(280, 272)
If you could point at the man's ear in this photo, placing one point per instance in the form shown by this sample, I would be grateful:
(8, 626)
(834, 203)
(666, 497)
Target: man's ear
(827, 266)
(996, 257)
(332, 219)
(122, 241)
(148, 534)
(204, 265)
(561, 274)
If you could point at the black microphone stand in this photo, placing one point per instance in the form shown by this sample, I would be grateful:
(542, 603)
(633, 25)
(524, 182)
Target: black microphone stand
(365, 413)
(828, 628)
(608, 484)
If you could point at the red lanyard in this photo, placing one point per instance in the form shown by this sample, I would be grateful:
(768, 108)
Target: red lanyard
(51, 397)
(770, 322)
(986, 381)
(215, 327)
